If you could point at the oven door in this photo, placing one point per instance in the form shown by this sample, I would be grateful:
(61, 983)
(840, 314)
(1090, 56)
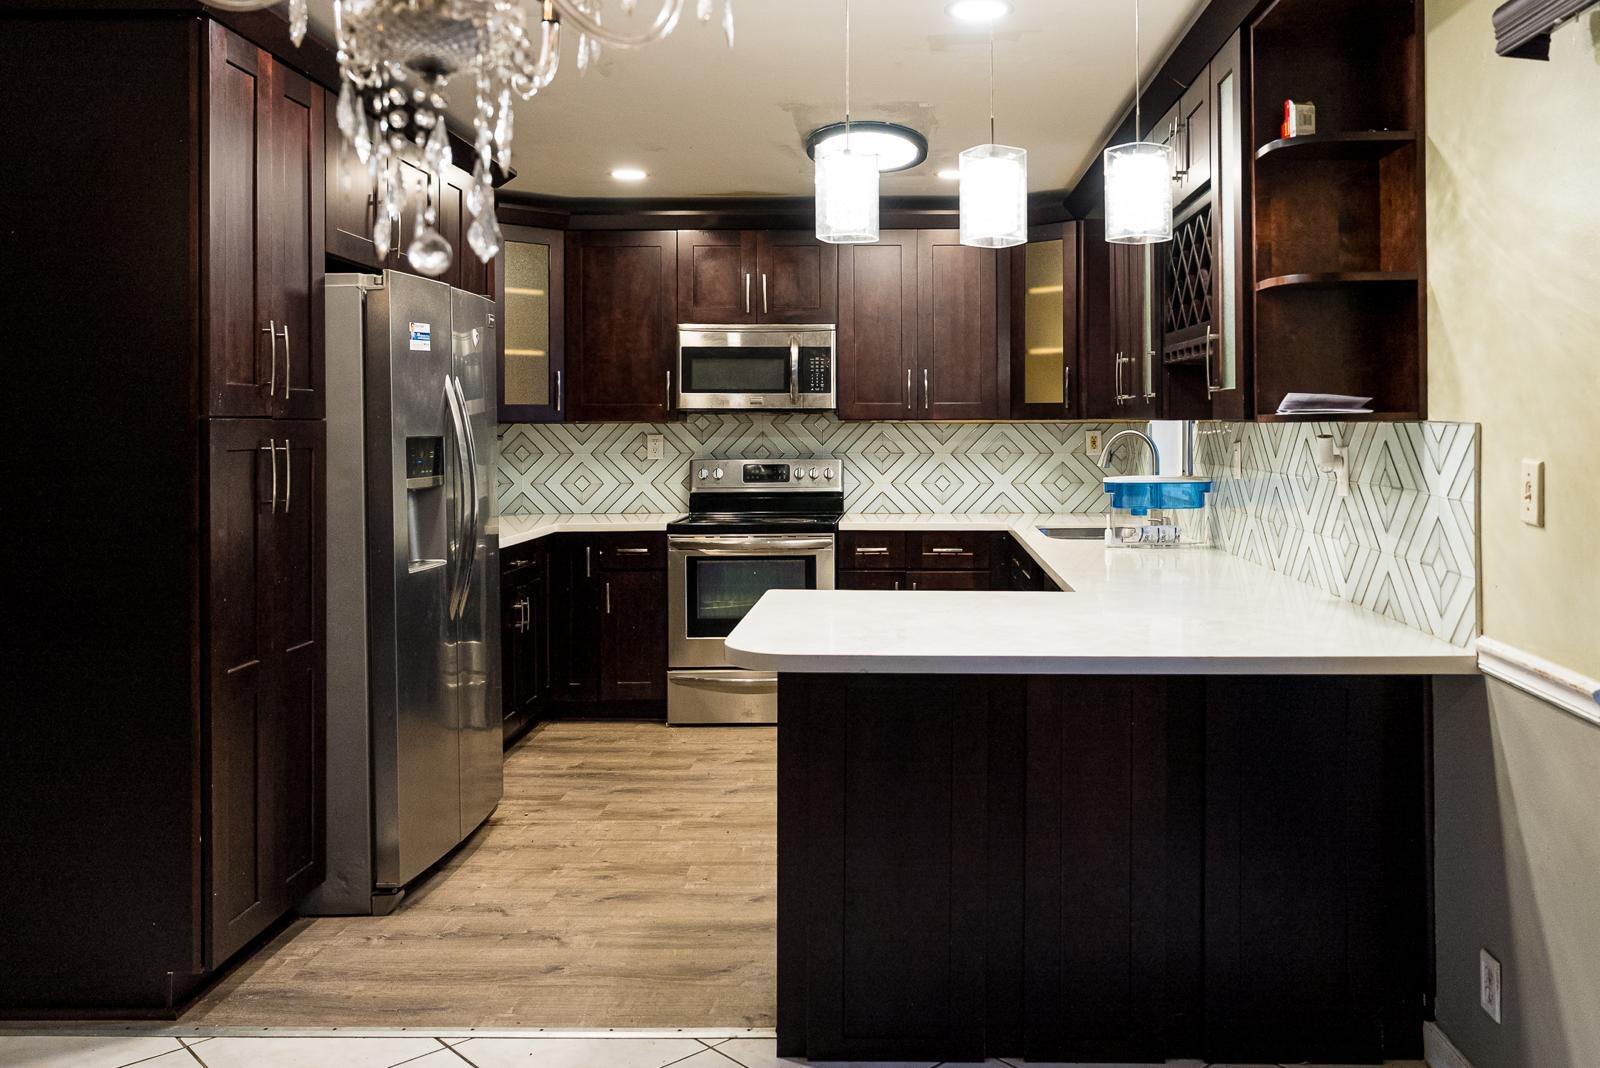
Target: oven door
(713, 580)
(729, 367)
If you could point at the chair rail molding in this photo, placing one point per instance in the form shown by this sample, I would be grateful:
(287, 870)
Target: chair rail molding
(1566, 689)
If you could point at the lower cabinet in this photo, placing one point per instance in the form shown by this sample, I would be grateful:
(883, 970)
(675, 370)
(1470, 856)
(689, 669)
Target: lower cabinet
(1102, 868)
(524, 638)
(596, 640)
(264, 846)
(936, 560)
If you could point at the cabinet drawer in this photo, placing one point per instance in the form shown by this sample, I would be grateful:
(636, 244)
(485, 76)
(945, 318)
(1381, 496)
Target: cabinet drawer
(872, 551)
(870, 580)
(631, 552)
(952, 550)
(948, 580)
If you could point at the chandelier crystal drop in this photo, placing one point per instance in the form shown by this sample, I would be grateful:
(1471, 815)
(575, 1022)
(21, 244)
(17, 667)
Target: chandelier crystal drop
(397, 59)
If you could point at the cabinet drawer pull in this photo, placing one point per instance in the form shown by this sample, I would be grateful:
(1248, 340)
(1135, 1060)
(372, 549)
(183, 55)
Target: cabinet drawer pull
(632, 552)
(951, 551)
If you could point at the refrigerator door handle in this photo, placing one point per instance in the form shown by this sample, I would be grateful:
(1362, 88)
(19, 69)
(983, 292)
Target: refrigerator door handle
(458, 582)
(471, 480)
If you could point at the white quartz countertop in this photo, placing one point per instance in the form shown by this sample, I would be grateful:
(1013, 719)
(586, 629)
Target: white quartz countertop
(516, 529)
(1150, 611)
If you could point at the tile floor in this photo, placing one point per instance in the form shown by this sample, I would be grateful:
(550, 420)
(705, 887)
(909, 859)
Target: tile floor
(430, 1051)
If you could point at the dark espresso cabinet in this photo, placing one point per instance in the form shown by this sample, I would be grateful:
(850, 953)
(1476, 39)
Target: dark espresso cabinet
(756, 276)
(264, 671)
(524, 637)
(199, 820)
(263, 135)
(877, 337)
(621, 324)
(606, 611)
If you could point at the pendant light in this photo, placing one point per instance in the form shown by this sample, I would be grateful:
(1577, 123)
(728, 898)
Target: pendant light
(1138, 178)
(847, 181)
(994, 188)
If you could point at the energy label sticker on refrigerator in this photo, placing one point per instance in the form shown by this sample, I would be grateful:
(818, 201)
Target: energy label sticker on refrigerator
(421, 337)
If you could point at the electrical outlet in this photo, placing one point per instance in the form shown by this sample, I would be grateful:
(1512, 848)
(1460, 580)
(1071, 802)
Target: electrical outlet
(1531, 492)
(1091, 442)
(655, 447)
(1489, 984)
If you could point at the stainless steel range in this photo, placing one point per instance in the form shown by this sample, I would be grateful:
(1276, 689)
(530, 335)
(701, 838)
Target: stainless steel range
(754, 525)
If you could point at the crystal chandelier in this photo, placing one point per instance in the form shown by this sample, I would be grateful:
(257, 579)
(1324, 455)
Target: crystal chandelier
(397, 58)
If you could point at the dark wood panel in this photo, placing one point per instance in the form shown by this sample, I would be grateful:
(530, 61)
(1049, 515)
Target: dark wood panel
(1096, 878)
(950, 550)
(290, 243)
(239, 313)
(352, 203)
(631, 552)
(621, 314)
(799, 277)
(716, 277)
(949, 580)
(956, 313)
(574, 621)
(878, 327)
(633, 642)
(896, 878)
(870, 580)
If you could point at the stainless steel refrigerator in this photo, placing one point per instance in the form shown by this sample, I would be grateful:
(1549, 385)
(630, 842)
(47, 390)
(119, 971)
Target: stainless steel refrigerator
(414, 747)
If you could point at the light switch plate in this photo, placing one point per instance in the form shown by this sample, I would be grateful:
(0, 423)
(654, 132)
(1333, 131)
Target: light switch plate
(1091, 442)
(655, 447)
(1489, 984)
(1531, 492)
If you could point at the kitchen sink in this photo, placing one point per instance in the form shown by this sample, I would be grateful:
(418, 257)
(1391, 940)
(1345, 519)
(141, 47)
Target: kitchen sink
(1074, 533)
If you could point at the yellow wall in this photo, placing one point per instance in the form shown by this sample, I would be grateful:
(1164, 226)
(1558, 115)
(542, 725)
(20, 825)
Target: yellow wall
(1514, 310)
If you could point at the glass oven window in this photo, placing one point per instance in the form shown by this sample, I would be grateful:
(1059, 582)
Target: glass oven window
(723, 589)
(724, 370)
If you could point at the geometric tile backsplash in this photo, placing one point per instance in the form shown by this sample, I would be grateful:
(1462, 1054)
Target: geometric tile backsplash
(942, 468)
(1403, 543)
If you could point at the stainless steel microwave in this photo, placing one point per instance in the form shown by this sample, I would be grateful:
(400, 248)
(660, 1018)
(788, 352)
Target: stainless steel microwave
(759, 366)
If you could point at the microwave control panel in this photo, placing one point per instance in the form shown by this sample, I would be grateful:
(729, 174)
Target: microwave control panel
(816, 371)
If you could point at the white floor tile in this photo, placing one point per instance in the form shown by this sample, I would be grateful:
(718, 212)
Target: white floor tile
(577, 1052)
(81, 1051)
(313, 1052)
(763, 1053)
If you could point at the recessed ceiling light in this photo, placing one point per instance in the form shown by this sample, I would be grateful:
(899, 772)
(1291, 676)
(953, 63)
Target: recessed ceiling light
(897, 147)
(979, 10)
(950, 174)
(629, 174)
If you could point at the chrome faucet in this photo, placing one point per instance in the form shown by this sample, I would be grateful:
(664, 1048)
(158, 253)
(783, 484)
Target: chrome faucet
(1155, 453)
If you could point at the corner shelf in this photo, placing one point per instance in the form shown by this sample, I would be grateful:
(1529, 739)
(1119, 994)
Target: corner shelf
(1330, 279)
(1358, 144)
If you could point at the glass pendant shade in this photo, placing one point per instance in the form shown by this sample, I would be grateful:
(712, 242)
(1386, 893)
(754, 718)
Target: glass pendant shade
(1139, 193)
(994, 196)
(847, 198)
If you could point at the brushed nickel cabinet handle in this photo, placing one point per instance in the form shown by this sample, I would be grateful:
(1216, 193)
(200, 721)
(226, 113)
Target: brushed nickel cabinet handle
(872, 550)
(558, 391)
(271, 449)
(763, 292)
(669, 391)
(927, 395)
(271, 330)
(608, 598)
(588, 561)
(908, 389)
(286, 365)
(747, 292)
(949, 551)
(627, 551)
(288, 476)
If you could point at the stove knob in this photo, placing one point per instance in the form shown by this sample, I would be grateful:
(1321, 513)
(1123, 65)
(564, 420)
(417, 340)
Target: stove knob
(827, 472)
(799, 472)
(702, 473)
(717, 473)
(813, 472)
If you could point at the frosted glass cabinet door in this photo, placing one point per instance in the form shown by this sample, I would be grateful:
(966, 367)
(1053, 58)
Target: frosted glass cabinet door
(1044, 318)
(528, 288)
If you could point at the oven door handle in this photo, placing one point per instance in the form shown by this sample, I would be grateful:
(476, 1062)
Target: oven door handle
(738, 545)
(725, 682)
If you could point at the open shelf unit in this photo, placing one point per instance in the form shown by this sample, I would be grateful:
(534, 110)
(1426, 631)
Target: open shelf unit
(1338, 215)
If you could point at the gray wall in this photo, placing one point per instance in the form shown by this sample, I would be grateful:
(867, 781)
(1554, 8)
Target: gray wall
(1517, 866)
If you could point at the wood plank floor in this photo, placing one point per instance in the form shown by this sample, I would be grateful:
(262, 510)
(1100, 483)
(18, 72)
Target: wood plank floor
(626, 880)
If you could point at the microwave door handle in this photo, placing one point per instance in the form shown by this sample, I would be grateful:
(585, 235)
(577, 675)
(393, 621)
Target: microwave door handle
(794, 367)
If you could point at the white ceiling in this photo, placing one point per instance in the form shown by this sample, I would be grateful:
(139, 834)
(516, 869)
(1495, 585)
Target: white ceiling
(706, 120)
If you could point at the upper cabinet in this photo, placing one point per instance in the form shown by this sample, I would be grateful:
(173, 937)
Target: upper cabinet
(264, 234)
(1338, 214)
(621, 328)
(352, 201)
(918, 328)
(529, 294)
(756, 276)
(1045, 326)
